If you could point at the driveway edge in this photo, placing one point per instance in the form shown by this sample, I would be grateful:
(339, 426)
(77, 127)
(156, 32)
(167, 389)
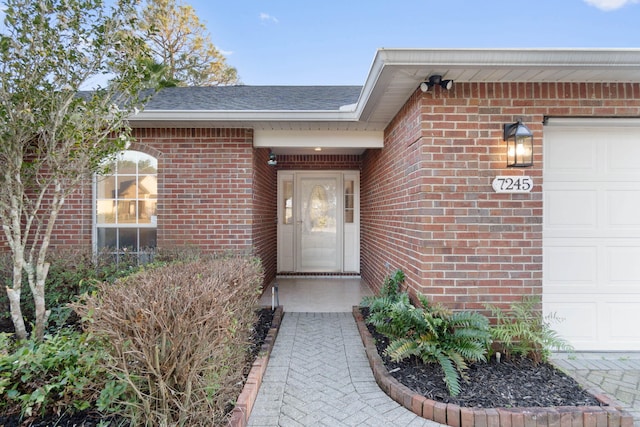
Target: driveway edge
(610, 414)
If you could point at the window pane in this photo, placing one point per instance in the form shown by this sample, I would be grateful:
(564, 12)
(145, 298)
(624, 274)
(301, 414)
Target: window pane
(126, 166)
(148, 165)
(106, 238)
(127, 212)
(106, 211)
(348, 201)
(147, 211)
(126, 187)
(106, 187)
(147, 186)
(287, 196)
(128, 239)
(147, 238)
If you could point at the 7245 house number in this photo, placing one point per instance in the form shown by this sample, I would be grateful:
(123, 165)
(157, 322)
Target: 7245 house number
(512, 184)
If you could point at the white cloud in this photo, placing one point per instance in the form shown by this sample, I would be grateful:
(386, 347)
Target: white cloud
(265, 17)
(610, 4)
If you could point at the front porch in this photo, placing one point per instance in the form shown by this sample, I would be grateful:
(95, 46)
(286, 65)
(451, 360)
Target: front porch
(321, 294)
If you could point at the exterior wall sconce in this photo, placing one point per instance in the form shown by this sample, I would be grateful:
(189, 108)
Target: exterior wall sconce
(272, 159)
(434, 80)
(519, 141)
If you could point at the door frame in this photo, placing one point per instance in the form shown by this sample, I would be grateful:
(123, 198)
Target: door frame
(288, 227)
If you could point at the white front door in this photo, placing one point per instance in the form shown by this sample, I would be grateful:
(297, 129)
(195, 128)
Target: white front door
(318, 226)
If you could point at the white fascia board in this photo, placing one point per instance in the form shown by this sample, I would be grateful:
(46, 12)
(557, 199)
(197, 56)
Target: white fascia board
(317, 138)
(244, 116)
(510, 58)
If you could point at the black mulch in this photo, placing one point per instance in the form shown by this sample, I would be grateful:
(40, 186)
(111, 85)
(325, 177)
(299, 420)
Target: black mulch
(508, 384)
(94, 419)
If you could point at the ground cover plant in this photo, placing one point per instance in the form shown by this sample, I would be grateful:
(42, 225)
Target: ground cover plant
(524, 379)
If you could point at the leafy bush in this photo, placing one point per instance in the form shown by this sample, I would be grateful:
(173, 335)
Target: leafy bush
(523, 331)
(178, 337)
(434, 334)
(61, 373)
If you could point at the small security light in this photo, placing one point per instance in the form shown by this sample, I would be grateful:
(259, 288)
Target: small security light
(434, 80)
(272, 159)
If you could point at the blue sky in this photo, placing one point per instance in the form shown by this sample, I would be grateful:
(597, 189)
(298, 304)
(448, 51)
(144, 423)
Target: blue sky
(286, 42)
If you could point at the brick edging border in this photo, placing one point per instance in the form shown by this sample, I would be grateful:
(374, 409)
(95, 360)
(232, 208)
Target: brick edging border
(241, 412)
(610, 415)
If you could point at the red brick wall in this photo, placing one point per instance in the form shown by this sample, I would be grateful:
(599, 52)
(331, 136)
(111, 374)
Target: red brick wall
(265, 222)
(427, 202)
(205, 179)
(319, 162)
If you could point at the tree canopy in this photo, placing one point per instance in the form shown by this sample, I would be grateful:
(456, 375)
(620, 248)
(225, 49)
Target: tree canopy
(180, 43)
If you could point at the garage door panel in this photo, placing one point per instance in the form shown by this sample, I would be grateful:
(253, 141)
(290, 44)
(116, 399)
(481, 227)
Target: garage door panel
(578, 321)
(567, 266)
(622, 329)
(623, 268)
(623, 208)
(571, 209)
(570, 155)
(622, 155)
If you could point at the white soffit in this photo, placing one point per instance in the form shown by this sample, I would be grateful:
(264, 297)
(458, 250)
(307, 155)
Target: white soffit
(305, 142)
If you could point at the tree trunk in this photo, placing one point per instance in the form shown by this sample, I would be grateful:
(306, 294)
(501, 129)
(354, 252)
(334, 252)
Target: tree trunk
(42, 314)
(16, 313)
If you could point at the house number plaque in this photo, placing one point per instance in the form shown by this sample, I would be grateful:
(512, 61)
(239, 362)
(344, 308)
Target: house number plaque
(512, 184)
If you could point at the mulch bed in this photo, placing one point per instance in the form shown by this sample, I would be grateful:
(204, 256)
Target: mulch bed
(94, 419)
(508, 384)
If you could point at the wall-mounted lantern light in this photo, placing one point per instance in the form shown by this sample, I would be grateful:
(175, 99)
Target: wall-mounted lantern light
(519, 141)
(272, 159)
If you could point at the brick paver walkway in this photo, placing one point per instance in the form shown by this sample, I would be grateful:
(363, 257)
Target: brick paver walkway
(618, 375)
(319, 375)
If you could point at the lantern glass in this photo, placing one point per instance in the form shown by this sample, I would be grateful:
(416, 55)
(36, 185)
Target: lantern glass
(519, 141)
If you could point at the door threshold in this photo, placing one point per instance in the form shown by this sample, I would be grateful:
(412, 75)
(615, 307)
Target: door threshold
(318, 275)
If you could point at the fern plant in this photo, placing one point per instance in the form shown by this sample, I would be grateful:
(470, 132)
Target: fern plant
(434, 334)
(389, 292)
(523, 331)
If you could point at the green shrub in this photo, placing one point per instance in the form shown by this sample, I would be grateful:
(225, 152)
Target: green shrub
(434, 334)
(523, 331)
(178, 336)
(62, 373)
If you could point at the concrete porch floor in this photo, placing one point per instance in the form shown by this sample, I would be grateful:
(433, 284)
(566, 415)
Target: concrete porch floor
(317, 294)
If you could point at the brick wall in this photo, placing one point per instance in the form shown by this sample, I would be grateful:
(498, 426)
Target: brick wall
(427, 202)
(319, 162)
(265, 221)
(205, 179)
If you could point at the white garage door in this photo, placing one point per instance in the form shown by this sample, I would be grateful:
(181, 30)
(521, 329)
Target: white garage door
(592, 231)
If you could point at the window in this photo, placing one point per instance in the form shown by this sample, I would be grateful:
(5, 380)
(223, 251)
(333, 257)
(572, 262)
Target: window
(126, 201)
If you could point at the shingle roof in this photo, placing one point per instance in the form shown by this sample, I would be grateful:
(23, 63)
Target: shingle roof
(254, 98)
